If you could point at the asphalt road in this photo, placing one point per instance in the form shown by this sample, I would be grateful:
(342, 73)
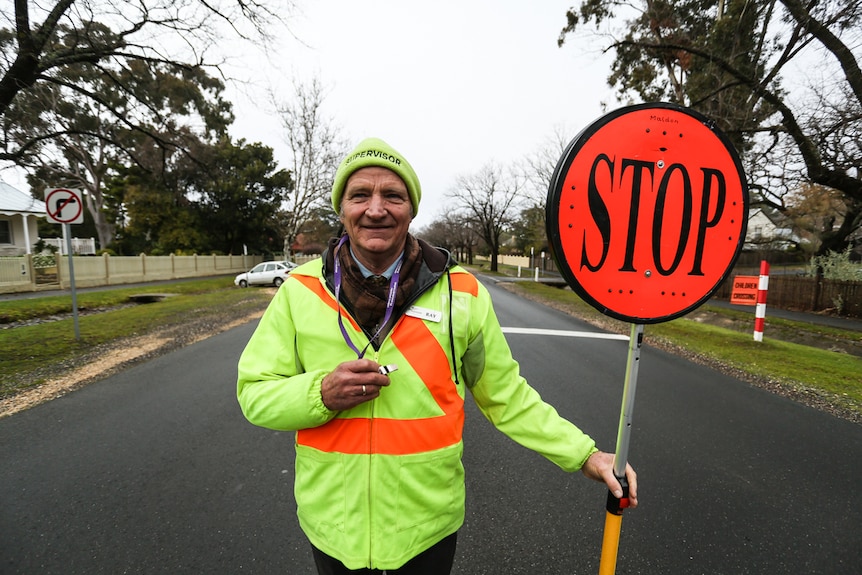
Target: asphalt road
(154, 470)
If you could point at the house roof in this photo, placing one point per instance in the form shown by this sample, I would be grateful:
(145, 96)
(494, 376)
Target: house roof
(14, 202)
(776, 226)
(777, 218)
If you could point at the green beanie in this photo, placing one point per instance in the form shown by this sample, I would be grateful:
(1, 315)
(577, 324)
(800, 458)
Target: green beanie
(376, 152)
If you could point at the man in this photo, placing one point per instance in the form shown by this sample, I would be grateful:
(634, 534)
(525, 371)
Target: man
(367, 353)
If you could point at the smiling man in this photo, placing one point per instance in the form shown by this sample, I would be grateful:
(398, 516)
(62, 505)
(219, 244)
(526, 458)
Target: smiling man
(376, 212)
(368, 354)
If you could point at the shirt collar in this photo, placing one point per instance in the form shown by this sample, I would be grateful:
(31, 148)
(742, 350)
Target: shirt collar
(368, 273)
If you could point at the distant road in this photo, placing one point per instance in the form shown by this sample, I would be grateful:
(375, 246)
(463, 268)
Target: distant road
(814, 318)
(154, 470)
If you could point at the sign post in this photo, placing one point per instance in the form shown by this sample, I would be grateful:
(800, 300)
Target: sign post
(646, 215)
(760, 310)
(66, 206)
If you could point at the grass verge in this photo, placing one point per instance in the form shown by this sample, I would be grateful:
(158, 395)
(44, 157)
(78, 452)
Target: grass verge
(834, 379)
(31, 353)
(40, 307)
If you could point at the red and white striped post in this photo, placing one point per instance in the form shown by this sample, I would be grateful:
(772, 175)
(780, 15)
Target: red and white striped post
(760, 310)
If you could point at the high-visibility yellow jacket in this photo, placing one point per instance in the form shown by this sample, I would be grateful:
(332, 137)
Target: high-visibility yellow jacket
(380, 483)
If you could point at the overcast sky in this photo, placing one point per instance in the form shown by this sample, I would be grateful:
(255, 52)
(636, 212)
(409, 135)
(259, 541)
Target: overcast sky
(451, 84)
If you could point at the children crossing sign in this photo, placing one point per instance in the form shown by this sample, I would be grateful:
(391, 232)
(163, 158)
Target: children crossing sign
(647, 212)
(64, 206)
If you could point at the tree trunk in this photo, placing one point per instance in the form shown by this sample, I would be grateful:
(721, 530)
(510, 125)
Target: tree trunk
(104, 229)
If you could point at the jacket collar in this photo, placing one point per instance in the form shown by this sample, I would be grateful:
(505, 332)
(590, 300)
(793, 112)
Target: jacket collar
(435, 262)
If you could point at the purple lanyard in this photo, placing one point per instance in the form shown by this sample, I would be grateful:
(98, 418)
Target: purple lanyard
(390, 300)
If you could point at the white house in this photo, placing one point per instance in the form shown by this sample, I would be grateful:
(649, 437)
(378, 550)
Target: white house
(768, 229)
(18, 223)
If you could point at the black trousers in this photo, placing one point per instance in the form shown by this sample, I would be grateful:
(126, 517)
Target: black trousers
(436, 560)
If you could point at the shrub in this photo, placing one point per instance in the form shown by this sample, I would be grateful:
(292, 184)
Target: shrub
(836, 266)
(44, 260)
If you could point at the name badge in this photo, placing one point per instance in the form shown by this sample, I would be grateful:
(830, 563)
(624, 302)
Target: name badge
(424, 313)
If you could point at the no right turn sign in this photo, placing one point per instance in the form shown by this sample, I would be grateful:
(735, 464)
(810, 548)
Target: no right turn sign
(64, 206)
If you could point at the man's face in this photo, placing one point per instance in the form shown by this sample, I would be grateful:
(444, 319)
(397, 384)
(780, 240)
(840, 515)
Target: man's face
(376, 213)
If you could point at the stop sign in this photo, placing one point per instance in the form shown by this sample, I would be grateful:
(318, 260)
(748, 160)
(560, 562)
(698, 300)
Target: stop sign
(647, 212)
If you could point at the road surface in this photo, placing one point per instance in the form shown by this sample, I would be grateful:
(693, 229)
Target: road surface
(154, 470)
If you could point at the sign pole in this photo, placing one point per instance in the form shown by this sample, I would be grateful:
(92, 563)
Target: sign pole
(615, 506)
(67, 232)
(760, 310)
(66, 206)
(647, 212)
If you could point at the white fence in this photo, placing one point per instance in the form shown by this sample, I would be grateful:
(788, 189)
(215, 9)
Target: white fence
(527, 262)
(80, 246)
(18, 274)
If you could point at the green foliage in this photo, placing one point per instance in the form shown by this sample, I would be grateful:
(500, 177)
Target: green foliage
(836, 266)
(680, 51)
(240, 192)
(91, 106)
(90, 98)
(41, 247)
(45, 260)
(529, 230)
(221, 198)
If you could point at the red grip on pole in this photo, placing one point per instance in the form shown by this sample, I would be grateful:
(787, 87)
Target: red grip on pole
(616, 505)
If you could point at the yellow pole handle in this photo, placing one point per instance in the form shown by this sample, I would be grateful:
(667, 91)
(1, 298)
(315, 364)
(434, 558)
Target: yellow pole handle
(610, 544)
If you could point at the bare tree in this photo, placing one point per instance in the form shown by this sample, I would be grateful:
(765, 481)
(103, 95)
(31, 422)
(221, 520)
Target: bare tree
(464, 237)
(539, 167)
(490, 200)
(453, 232)
(538, 172)
(316, 149)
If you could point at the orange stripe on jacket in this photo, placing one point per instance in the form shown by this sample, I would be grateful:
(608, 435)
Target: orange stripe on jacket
(389, 436)
(429, 362)
(466, 283)
(316, 286)
(402, 436)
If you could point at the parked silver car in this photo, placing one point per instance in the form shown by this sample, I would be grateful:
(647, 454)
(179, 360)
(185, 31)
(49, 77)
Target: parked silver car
(266, 273)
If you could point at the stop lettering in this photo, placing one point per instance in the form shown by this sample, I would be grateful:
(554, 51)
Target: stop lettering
(647, 212)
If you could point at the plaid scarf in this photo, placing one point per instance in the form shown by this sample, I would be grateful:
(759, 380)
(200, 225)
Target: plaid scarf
(366, 297)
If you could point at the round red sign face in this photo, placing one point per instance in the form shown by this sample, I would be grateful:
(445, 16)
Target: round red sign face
(647, 212)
